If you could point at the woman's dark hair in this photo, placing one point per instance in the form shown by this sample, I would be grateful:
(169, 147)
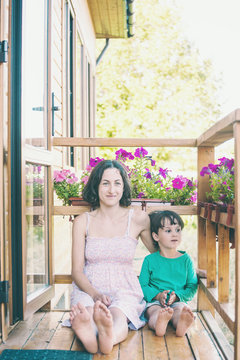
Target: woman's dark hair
(158, 218)
(90, 191)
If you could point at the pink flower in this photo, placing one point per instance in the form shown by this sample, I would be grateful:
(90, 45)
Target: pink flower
(70, 181)
(85, 179)
(140, 195)
(88, 168)
(59, 176)
(177, 183)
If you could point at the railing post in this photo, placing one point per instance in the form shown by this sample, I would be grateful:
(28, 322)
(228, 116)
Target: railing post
(223, 263)
(205, 156)
(211, 253)
(236, 131)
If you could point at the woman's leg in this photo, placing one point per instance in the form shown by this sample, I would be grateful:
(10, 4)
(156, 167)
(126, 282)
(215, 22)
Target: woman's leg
(158, 318)
(182, 319)
(111, 324)
(81, 319)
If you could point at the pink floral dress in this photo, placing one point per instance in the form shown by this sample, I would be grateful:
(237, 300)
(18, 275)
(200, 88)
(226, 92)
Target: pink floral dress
(109, 268)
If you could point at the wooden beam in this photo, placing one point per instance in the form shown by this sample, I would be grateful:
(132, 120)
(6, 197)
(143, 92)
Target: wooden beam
(226, 310)
(116, 142)
(220, 132)
(77, 210)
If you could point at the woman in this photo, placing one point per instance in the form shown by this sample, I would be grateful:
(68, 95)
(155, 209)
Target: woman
(107, 297)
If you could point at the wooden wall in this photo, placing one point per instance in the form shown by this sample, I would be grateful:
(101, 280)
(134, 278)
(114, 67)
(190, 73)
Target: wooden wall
(84, 68)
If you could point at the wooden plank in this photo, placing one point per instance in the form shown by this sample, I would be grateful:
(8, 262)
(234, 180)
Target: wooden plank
(77, 210)
(116, 142)
(218, 335)
(131, 348)
(200, 342)
(44, 331)
(178, 347)
(23, 330)
(211, 253)
(223, 264)
(62, 279)
(221, 131)
(63, 337)
(114, 355)
(237, 239)
(226, 311)
(154, 347)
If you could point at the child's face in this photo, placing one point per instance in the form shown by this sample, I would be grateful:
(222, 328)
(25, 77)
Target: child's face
(169, 237)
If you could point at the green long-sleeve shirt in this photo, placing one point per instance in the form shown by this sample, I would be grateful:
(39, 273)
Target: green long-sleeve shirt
(159, 273)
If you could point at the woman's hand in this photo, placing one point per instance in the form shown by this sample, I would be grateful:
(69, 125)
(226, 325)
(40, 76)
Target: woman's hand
(103, 298)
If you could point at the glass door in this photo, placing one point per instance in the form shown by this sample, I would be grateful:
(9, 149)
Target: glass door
(36, 157)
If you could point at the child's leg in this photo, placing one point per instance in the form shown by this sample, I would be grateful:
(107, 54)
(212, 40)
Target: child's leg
(182, 319)
(158, 318)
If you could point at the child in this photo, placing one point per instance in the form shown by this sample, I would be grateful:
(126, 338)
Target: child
(168, 277)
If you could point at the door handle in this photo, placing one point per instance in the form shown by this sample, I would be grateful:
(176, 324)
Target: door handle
(54, 108)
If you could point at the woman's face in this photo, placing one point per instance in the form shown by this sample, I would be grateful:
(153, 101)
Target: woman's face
(110, 189)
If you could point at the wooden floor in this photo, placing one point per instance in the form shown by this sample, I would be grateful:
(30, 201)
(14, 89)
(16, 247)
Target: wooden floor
(44, 331)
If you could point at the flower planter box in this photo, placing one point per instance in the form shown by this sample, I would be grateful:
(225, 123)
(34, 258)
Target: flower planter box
(218, 208)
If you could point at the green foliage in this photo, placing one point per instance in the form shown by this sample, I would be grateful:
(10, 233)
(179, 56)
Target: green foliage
(155, 84)
(221, 181)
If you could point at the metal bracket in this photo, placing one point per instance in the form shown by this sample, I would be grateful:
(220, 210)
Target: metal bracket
(3, 51)
(4, 286)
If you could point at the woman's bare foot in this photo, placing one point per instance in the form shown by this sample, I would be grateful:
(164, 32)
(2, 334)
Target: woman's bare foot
(164, 315)
(185, 321)
(104, 322)
(83, 327)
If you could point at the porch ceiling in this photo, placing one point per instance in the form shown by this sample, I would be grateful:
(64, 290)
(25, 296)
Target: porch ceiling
(112, 18)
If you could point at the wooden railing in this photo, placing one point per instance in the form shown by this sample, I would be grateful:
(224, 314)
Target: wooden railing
(213, 293)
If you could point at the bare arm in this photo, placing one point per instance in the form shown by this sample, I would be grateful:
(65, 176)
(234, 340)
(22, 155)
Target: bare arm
(78, 260)
(142, 219)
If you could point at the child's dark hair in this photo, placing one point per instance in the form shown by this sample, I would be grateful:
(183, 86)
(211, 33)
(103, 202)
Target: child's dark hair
(158, 218)
(90, 191)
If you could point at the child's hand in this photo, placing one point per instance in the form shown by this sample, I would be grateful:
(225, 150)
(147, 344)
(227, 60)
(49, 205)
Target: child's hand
(162, 297)
(172, 298)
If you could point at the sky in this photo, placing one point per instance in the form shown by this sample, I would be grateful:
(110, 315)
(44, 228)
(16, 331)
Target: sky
(214, 27)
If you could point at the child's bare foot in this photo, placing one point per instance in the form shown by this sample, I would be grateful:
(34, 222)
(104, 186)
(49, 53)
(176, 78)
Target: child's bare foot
(163, 318)
(103, 320)
(185, 321)
(83, 327)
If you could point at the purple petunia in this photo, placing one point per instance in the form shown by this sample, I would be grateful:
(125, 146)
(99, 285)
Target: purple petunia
(148, 174)
(140, 152)
(205, 171)
(123, 155)
(163, 172)
(140, 195)
(94, 161)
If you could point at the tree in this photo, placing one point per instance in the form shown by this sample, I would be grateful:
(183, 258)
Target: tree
(155, 84)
